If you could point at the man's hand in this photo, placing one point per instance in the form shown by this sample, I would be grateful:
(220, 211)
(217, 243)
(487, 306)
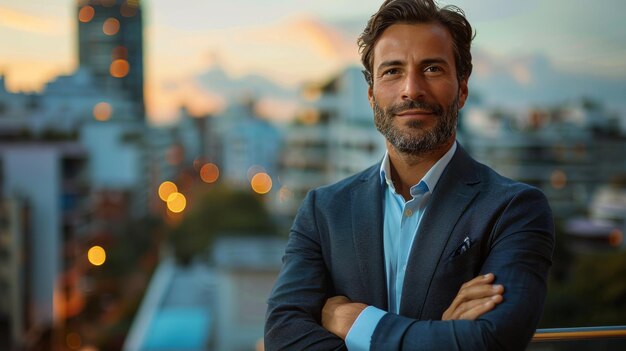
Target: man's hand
(476, 297)
(339, 313)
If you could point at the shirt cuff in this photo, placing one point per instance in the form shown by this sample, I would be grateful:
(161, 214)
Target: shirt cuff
(360, 334)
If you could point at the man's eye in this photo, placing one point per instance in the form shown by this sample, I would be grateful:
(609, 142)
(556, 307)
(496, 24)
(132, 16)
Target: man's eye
(390, 71)
(433, 69)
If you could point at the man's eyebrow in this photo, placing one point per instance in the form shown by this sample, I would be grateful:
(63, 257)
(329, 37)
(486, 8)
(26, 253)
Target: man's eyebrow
(430, 61)
(427, 61)
(390, 63)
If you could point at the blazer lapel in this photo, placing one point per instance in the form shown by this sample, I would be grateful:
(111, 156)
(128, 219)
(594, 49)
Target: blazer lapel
(367, 226)
(449, 200)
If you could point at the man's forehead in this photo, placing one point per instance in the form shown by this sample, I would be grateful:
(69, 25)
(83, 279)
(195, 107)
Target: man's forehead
(422, 39)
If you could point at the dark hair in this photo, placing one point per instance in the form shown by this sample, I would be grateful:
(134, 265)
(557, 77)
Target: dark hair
(419, 11)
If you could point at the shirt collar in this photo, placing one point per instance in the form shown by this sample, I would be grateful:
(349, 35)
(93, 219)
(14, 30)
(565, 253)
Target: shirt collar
(431, 178)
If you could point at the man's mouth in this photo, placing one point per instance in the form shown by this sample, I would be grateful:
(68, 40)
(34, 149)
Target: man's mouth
(414, 113)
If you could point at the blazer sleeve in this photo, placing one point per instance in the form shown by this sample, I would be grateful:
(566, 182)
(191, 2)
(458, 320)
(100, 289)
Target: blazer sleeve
(520, 255)
(293, 320)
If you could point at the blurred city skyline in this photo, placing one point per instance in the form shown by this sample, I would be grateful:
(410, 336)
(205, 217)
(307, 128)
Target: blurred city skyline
(191, 46)
(119, 233)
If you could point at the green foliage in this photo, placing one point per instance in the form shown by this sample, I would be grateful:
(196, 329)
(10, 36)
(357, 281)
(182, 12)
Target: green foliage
(134, 240)
(594, 294)
(220, 211)
(118, 285)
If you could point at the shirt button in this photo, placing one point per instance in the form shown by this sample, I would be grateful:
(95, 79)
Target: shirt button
(408, 213)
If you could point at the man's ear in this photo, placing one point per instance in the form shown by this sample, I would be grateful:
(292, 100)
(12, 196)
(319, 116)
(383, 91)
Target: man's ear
(370, 96)
(463, 92)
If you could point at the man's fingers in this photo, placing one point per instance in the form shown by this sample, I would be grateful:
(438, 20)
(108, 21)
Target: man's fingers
(472, 295)
(479, 291)
(481, 279)
(339, 313)
(337, 300)
(474, 308)
(476, 292)
(467, 290)
(329, 308)
(479, 307)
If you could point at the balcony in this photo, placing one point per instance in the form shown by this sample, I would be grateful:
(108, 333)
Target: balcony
(578, 339)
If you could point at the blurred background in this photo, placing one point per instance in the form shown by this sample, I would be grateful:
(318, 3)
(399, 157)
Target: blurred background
(153, 155)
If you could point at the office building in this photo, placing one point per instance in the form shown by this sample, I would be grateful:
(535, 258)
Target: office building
(110, 46)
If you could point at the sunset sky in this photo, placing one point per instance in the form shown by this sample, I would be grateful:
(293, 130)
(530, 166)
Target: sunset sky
(291, 42)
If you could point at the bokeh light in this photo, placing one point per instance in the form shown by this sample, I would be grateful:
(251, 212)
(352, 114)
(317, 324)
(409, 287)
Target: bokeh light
(261, 183)
(175, 154)
(198, 162)
(166, 189)
(311, 93)
(558, 179)
(309, 117)
(102, 111)
(73, 341)
(176, 202)
(253, 170)
(111, 26)
(616, 237)
(209, 173)
(86, 13)
(285, 194)
(119, 68)
(96, 255)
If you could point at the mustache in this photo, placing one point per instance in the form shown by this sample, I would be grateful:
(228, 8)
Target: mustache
(414, 105)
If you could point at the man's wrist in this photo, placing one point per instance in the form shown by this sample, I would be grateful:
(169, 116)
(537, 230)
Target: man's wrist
(349, 313)
(360, 334)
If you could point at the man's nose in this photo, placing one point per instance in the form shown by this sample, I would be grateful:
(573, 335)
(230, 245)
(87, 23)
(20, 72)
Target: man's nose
(414, 87)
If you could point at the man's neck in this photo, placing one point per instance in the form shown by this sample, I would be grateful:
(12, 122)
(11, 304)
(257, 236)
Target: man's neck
(407, 170)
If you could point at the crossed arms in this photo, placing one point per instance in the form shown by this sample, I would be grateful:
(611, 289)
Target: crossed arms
(303, 312)
(475, 298)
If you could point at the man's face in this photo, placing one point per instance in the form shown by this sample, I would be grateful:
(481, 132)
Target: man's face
(415, 93)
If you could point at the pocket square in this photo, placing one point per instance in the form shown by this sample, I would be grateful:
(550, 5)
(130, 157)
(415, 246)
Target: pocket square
(467, 243)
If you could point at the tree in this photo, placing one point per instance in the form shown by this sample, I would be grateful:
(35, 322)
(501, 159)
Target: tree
(594, 294)
(219, 211)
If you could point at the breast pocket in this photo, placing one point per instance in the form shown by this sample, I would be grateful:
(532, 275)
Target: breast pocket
(461, 267)
(452, 272)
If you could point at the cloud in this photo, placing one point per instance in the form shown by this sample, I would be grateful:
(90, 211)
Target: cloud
(538, 80)
(24, 22)
(293, 50)
(31, 75)
(289, 52)
(163, 103)
(312, 34)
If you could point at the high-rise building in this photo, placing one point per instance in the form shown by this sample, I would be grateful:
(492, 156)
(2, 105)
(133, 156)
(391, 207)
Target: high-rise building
(44, 183)
(333, 137)
(246, 144)
(568, 152)
(15, 287)
(110, 45)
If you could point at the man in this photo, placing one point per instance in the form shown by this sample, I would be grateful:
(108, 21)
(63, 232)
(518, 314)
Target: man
(428, 249)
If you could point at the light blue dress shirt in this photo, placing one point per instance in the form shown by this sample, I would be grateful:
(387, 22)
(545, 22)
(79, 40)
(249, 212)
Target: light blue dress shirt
(401, 221)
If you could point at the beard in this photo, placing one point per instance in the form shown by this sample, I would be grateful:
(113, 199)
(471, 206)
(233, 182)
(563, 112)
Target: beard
(415, 139)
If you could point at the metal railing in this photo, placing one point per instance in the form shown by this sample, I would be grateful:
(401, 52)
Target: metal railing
(579, 339)
(584, 333)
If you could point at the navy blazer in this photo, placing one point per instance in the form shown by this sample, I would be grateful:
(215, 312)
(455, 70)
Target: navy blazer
(335, 247)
